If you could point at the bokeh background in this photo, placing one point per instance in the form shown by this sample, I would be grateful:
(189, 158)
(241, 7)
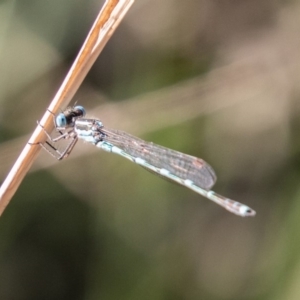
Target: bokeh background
(218, 79)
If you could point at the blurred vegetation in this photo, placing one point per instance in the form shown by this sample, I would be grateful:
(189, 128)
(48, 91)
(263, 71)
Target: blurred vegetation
(215, 79)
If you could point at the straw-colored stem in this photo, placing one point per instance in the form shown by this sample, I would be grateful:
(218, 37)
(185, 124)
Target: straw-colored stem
(107, 21)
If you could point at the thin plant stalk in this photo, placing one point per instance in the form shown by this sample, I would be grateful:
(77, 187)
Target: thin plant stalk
(107, 21)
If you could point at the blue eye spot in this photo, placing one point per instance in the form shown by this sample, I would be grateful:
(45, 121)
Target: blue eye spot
(80, 108)
(61, 120)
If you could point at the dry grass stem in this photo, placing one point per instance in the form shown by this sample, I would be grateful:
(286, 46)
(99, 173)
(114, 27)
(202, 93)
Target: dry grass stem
(107, 21)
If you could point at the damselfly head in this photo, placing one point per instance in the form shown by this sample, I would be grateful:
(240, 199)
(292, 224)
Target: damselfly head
(68, 117)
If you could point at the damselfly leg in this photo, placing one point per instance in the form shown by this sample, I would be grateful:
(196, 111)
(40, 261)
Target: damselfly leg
(64, 125)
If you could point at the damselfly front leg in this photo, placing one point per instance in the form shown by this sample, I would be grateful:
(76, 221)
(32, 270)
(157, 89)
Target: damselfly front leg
(64, 124)
(49, 144)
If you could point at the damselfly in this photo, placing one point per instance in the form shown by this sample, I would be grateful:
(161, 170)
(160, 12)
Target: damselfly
(189, 171)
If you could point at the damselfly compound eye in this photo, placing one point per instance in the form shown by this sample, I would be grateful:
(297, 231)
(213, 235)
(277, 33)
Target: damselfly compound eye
(80, 109)
(61, 120)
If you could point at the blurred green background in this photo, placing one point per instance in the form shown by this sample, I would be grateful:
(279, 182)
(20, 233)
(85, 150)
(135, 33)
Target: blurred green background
(216, 79)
